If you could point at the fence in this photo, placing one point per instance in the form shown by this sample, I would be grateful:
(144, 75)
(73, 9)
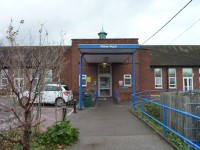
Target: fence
(187, 102)
(165, 120)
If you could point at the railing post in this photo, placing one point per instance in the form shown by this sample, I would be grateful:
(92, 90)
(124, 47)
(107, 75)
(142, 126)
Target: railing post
(80, 81)
(164, 121)
(143, 101)
(74, 105)
(64, 111)
(133, 82)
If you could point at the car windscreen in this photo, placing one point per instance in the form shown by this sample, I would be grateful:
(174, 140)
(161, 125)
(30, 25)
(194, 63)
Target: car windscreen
(66, 88)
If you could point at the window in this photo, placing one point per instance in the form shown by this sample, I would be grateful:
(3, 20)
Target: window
(187, 79)
(48, 76)
(187, 72)
(127, 80)
(18, 78)
(52, 88)
(158, 77)
(172, 77)
(34, 76)
(4, 79)
(84, 80)
(105, 69)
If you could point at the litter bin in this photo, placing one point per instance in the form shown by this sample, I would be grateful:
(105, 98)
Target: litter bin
(87, 99)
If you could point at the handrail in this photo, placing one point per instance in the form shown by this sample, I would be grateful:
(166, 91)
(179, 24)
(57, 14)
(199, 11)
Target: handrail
(116, 96)
(95, 94)
(164, 123)
(170, 90)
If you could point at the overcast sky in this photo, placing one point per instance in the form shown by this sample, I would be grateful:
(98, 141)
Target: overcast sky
(84, 19)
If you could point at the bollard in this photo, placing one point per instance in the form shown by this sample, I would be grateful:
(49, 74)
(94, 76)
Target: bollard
(64, 108)
(74, 105)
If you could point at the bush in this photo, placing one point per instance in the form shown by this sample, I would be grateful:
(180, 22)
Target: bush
(153, 110)
(60, 133)
(13, 134)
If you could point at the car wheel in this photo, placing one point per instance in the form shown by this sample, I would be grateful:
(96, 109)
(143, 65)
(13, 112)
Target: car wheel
(59, 102)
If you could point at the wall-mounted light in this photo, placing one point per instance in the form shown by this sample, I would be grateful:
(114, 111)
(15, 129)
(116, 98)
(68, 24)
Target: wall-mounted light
(105, 62)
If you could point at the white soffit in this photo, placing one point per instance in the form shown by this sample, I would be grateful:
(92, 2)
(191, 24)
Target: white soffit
(110, 53)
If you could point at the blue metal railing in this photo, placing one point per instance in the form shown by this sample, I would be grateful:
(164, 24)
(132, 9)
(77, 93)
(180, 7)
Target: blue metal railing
(164, 122)
(116, 96)
(95, 94)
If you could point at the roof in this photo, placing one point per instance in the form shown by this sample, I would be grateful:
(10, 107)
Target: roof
(30, 55)
(174, 55)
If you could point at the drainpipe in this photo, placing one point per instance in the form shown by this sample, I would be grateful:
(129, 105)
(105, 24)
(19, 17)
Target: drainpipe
(167, 71)
(80, 81)
(133, 82)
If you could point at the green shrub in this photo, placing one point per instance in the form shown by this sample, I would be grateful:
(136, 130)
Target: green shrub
(13, 134)
(61, 133)
(152, 110)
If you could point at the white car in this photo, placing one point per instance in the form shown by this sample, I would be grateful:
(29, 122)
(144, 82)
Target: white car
(52, 93)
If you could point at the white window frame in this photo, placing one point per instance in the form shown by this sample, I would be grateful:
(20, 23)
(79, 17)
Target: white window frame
(46, 78)
(127, 77)
(3, 78)
(188, 78)
(36, 77)
(172, 86)
(84, 77)
(18, 78)
(158, 86)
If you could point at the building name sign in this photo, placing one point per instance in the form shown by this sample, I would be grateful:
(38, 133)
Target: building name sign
(108, 46)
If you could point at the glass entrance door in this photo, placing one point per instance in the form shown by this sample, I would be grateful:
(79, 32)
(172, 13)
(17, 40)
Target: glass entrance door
(187, 83)
(105, 86)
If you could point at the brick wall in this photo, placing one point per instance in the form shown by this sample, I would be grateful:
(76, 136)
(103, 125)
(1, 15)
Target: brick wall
(144, 72)
(91, 70)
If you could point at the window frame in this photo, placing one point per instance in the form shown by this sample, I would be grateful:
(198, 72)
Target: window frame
(84, 77)
(126, 77)
(158, 86)
(192, 73)
(17, 77)
(48, 79)
(2, 74)
(36, 77)
(172, 86)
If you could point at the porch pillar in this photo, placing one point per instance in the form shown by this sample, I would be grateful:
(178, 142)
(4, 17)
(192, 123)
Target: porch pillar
(80, 81)
(133, 81)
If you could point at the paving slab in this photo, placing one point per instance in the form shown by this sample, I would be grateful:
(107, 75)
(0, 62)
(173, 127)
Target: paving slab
(112, 127)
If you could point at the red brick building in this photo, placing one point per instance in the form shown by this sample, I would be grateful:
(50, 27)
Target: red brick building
(157, 67)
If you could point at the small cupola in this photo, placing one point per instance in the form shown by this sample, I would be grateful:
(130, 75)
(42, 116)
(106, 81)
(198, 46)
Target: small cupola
(102, 34)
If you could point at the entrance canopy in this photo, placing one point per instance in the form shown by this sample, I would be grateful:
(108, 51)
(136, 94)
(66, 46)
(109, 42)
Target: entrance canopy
(109, 53)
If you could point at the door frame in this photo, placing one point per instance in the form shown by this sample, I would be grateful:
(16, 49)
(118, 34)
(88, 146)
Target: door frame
(188, 87)
(104, 75)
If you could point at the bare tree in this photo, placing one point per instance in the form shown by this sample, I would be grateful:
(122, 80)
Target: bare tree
(32, 62)
(29, 65)
(11, 33)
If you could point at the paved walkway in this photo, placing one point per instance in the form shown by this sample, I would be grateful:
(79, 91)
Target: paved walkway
(112, 127)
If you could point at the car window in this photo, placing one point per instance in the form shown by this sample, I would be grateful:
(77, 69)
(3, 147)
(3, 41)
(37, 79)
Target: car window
(52, 88)
(66, 88)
